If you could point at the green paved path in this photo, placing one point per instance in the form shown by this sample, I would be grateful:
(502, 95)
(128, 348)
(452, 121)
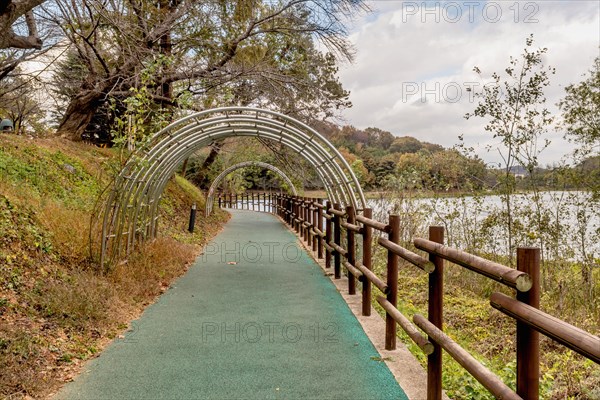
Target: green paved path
(271, 326)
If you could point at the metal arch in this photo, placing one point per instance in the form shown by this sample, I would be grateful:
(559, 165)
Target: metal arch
(131, 211)
(166, 171)
(227, 171)
(131, 182)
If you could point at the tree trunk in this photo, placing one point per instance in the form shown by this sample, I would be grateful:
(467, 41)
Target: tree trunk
(184, 167)
(166, 49)
(200, 177)
(79, 113)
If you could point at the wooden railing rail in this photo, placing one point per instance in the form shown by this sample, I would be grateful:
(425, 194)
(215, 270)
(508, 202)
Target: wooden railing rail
(570, 336)
(331, 233)
(503, 274)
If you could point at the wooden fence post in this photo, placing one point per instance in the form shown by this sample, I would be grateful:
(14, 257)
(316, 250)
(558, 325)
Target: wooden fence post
(435, 314)
(300, 217)
(328, 236)
(305, 220)
(309, 219)
(367, 242)
(337, 239)
(351, 256)
(528, 339)
(392, 282)
(314, 223)
(320, 226)
(296, 215)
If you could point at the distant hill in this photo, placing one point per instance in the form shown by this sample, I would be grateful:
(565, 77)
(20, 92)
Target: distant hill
(373, 140)
(384, 161)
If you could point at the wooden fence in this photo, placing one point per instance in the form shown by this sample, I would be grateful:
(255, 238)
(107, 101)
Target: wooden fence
(321, 225)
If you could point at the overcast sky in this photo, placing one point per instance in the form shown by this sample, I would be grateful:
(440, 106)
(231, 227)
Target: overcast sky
(415, 60)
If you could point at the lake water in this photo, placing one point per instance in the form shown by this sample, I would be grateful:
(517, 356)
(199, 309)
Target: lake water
(564, 224)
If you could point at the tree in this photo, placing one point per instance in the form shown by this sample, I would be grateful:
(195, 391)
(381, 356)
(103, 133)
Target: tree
(581, 112)
(514, 107)
(379, 138)
(10, 12)
(19, 101)
(223, 50)
(406, 144)
(23, 35)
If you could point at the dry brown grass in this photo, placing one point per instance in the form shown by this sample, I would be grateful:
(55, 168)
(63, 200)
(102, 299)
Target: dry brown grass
(70, 232)
(151, 270)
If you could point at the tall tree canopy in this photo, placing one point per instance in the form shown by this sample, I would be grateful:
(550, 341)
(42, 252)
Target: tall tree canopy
(245, 52)
(581, 111)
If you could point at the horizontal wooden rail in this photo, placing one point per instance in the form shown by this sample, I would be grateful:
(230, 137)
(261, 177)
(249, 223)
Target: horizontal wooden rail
(339, 213)
(408, 327)
(339, 249)
(490, 381)
(352, 269)
(328, 247)
(374, 224)
(498, 272)
(415, 259)
(373, 278)
(574, 338)
(351, 227)
(318, 232)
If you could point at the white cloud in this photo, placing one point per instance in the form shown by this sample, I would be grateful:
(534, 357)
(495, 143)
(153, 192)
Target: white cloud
(401, 47)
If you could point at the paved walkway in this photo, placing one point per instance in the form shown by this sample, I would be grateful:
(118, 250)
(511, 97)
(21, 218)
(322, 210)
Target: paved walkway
(254, 318)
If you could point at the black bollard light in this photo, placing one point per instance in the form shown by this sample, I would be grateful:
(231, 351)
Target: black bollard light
(192, 218)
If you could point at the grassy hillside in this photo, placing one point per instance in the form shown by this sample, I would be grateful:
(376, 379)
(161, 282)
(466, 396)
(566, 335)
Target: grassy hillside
(56, 308)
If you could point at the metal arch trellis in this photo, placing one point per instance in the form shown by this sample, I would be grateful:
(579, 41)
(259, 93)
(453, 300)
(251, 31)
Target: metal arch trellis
(131, 209)
(227, 171)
